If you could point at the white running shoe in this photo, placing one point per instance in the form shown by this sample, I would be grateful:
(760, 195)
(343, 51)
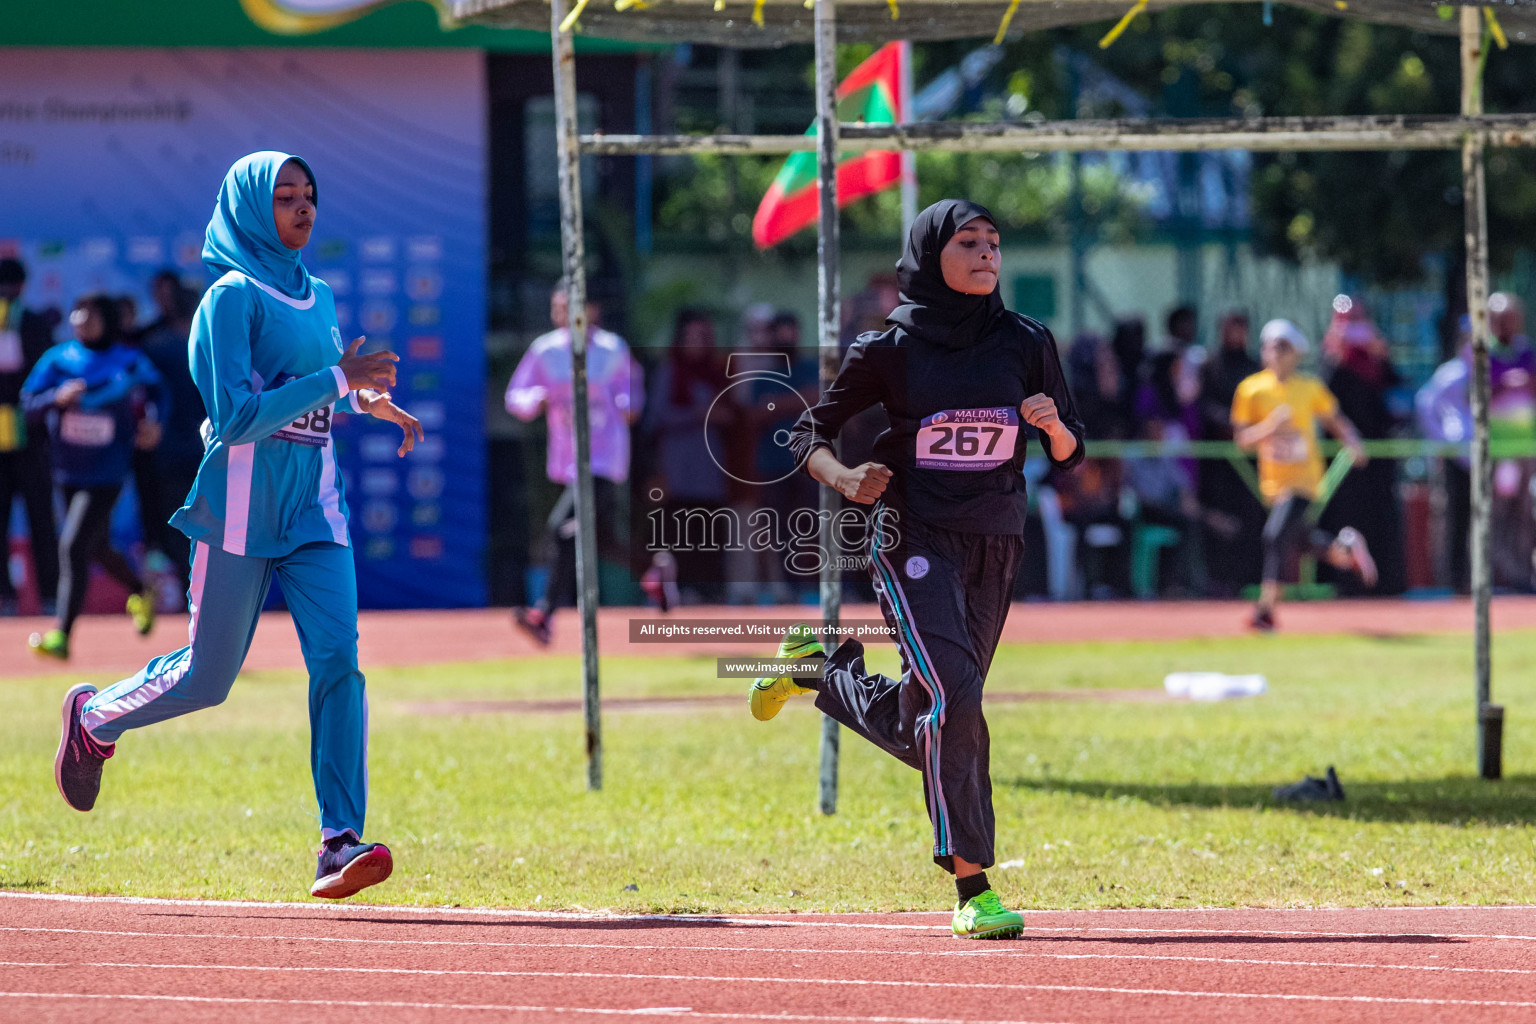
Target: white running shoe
(1365, 565)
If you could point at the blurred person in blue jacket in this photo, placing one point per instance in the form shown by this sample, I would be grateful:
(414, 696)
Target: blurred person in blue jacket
(94, 395)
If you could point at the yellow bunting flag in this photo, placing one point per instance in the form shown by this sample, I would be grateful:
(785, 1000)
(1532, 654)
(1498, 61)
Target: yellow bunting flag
(1495, 28)
(569, 21)
(1122, 25)
(1002, 28)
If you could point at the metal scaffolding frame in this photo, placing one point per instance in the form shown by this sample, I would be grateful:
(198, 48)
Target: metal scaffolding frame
(1260, 134)
(1471, 132)
(573, 243)
(829, 310)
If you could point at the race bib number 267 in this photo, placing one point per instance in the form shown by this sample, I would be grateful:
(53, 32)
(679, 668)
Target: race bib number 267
(967, 439)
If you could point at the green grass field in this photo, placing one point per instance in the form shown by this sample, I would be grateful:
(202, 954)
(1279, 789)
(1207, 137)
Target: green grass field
(1098, 805)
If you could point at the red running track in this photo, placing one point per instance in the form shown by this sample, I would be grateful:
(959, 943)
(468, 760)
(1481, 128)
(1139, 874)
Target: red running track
(70, 959)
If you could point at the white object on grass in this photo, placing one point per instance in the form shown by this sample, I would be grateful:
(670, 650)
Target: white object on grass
(1213, 686)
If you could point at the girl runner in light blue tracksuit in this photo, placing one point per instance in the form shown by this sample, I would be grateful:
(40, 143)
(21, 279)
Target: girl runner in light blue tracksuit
(268, 359)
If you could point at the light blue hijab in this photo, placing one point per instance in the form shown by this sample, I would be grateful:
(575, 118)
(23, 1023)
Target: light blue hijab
(242, 234)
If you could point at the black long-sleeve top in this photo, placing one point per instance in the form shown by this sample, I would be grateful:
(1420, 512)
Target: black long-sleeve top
(948, 407)
(36, 337)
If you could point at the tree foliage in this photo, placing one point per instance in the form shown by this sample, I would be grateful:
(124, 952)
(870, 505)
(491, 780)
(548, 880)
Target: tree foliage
(1377, 214)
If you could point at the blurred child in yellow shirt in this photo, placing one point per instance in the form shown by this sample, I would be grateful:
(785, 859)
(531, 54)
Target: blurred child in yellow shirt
(1276, 412)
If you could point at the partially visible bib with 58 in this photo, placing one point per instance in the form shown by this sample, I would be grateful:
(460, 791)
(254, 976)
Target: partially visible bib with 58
(313, 430)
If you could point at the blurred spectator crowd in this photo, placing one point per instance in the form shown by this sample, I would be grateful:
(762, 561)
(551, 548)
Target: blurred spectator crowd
(701, 424)
(1138, 520)
(1165, 525)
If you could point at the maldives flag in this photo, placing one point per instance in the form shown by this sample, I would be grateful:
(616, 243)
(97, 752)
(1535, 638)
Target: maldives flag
(872, 94)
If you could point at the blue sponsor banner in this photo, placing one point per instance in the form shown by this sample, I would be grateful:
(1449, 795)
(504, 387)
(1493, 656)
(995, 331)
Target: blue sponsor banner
(109, 164)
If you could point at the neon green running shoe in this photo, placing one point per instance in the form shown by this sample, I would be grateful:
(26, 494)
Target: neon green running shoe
(52, 644)
(985, 917)
(768, 695)
(142, 608)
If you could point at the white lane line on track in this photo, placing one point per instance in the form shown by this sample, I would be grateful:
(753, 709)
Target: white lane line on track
(792, 951)
(1236, 934)
(943, 929)
(373, 1004)
(798, 980)
(66, 897)
(784, 921)
(327, 909)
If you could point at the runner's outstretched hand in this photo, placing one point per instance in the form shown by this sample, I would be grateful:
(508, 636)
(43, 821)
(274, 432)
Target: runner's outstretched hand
(375, 370)
(148, 436)
(864, 483)
(68, 393)
(382, 407)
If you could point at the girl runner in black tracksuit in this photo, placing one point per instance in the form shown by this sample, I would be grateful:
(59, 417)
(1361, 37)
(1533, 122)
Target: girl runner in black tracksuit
(956, 372)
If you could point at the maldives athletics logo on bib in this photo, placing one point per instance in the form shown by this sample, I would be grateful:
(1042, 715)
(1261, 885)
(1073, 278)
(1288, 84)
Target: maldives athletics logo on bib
(336, 338)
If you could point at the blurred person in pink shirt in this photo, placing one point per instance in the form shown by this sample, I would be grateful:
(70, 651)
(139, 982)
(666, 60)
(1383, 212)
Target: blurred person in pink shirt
(541, 386)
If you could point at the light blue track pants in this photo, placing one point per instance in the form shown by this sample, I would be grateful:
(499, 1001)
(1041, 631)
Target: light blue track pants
(226, 594)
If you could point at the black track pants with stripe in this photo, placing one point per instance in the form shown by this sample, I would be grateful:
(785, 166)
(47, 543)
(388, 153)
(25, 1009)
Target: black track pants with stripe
(946, 595)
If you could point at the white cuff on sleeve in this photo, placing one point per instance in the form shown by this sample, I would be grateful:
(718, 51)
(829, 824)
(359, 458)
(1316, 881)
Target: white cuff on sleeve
(341, 382)
(357, 406)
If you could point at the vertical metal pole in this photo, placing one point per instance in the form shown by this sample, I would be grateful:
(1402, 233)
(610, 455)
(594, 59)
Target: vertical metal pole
(908, 156)
(829, 324)
(1476, 220)
(568, 156)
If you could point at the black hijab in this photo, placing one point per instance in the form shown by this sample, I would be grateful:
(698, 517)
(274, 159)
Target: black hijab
(931, 309)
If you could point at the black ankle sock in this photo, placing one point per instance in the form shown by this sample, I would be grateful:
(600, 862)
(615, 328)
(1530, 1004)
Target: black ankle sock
(971, 886)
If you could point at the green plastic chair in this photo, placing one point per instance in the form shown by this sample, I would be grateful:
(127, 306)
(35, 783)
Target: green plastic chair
(1147, 543)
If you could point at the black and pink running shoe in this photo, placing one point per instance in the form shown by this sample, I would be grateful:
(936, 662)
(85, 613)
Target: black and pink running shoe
(348, 866)
(77, 766)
